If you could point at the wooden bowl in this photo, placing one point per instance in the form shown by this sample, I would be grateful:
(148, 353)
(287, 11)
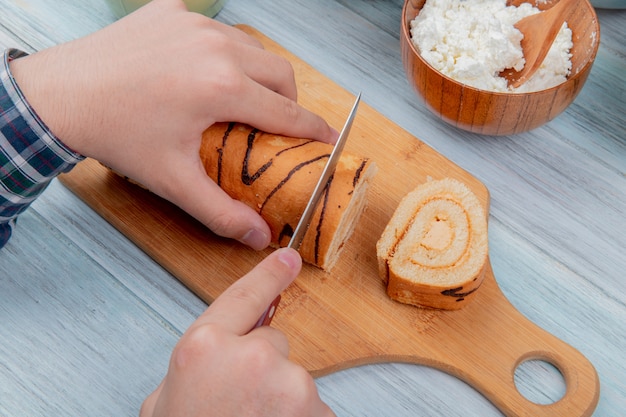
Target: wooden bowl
(492, 113)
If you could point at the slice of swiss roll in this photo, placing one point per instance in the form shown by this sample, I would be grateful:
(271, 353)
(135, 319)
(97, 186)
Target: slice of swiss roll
(276, 175)
(433, 251)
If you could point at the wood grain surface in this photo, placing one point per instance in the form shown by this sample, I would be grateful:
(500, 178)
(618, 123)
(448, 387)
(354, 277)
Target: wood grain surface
(344, 319)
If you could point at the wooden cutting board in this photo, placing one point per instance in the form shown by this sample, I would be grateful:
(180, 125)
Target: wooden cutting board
(344, 318)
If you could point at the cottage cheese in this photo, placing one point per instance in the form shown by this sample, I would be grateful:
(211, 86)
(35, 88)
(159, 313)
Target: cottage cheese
(472, 41)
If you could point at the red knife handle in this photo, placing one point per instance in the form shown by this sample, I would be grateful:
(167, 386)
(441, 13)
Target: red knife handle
(268, 314)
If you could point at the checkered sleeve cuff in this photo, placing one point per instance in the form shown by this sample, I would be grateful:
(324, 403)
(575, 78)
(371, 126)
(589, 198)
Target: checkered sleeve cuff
(30, 155)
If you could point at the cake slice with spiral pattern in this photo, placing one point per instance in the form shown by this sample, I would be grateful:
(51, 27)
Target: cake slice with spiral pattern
(433, 251)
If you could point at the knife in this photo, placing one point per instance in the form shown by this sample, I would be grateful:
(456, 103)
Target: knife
(318, 191)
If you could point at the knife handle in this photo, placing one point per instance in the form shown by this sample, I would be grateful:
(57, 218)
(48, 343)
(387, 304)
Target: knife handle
(268, 314)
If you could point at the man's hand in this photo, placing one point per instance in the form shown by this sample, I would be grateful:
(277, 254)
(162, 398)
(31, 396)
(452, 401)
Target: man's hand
(137, 95)
(222, 368)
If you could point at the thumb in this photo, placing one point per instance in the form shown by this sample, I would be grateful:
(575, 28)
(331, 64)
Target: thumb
(202, 198)
(149, 405)
(239, 307)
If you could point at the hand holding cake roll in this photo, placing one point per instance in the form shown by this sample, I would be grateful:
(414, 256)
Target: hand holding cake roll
(276, 175)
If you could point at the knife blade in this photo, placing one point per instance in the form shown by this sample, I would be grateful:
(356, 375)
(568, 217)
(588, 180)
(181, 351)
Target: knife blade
(318, 191)
(322, 183)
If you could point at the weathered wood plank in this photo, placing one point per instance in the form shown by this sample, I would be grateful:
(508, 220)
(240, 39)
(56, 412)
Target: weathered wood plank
(556, 231)
(75, 340)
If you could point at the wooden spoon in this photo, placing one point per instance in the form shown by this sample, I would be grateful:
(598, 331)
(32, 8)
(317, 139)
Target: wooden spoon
(539, 32)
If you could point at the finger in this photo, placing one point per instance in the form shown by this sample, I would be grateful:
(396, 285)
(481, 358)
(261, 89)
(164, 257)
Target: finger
(230, 218)
(321, 409)
(157, 9)
(269, 70)
(149, 404)
(235, 33)
(272, 112)
(267, 83)
(238, 308)
(274, 336)
(199, 196)
(304, 392)
(249, 58)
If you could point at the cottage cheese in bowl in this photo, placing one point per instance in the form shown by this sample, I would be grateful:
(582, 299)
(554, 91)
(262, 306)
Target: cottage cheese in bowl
(472, 41)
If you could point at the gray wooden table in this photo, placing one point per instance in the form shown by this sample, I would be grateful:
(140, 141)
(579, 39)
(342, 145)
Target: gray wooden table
(88, 321)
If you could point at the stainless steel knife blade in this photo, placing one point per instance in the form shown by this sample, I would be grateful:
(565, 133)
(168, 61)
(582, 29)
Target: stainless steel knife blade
(322, 183)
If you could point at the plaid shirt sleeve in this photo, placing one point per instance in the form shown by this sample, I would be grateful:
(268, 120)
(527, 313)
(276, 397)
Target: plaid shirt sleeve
(30, 155)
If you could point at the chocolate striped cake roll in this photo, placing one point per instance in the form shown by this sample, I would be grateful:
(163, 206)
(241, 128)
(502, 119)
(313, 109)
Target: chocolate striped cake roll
(433, 251)
(276, 175)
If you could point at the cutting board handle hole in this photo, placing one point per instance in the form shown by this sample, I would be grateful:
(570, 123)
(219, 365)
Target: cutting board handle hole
(539, 381)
